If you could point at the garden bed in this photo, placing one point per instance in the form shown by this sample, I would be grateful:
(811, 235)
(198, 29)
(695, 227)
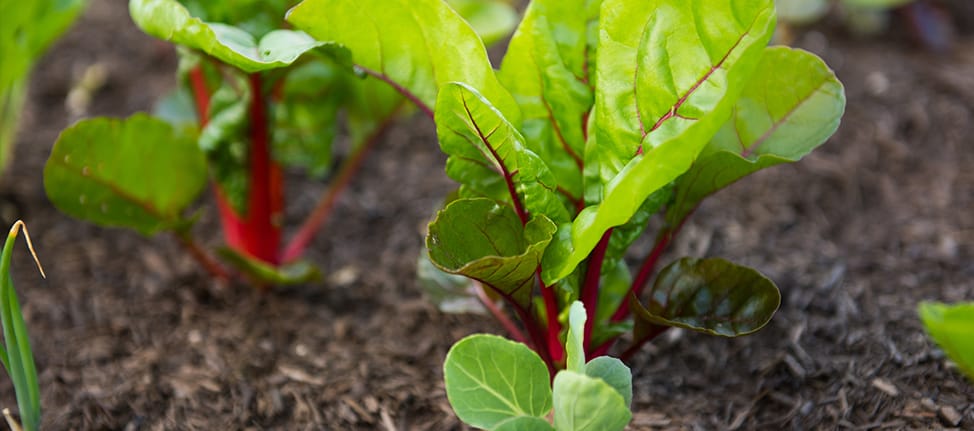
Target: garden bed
(130, 334)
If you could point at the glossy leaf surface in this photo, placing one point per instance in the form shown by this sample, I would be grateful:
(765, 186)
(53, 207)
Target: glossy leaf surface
(490, 380)
(668, 74)
(488, 155)
(792, 104)
(405, 42)
(584, 403)
(169, 20)
(952, 327)
(487, 242)
(713, 296)
(138, 172)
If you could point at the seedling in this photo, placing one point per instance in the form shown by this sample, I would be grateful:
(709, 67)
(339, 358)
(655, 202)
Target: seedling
(952, 327)
(29, 28)
(15, 353)
(603, 114)
(254, 99)
(499, 385)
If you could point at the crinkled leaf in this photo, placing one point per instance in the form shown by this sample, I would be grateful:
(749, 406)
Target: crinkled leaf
(417, 44)
(952, 327)
(792, 104)
(575, 339)
(298, 272)
(524, 423)
(449, 292)
(613, 372)
(545, 69)
(170, 20)
(713, 296)
(138, 172)
(487, 242)
(664, 88)
(488, 155)
(490, 380)
(584, 403)
(493, 20)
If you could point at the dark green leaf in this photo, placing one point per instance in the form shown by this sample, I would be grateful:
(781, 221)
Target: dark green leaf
(713, 296)
(792, 104)
(487, 242)
(669, 72)
(490, 380)
(138, 173)
(952, 327)
(488, 156)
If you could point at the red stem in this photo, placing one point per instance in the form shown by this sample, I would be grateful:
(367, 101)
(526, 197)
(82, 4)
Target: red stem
(312, 224)
(645, 271)
(555, 346)
(201, 94)
(590, 288)
(257, 234)
(505, 321)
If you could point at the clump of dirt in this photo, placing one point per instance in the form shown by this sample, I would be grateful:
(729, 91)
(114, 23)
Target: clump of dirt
(129, 334)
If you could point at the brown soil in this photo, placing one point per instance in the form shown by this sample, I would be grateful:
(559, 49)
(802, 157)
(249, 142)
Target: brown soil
(129, 334)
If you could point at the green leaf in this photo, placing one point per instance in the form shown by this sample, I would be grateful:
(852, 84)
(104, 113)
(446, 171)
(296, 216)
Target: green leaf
(487, 242)
(545, 70)
(952, 327)
(405, 42)
(257, 17)
(584, 403)
(305, 119)
(613, 372)
(15, 352)
(493, 20)
(792, 104)
(169, 20)
(490, 380)
(138, 172)
(488, 156)
(713, 296)
(575, 339)
(450, 293)
(669, 71)
(299, 272)
(524, 423)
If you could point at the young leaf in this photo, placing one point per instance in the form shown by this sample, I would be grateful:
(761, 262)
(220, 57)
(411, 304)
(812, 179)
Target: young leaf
(713, 296)
(170, 20)
(138, 172)
(584, 403)
(403, 42)
(487, 242)
(663, 91)
(792, 104)
(613, 372)
(490, 380)
(952, 327)
(487, 155)
(545, 69)
(575, 340)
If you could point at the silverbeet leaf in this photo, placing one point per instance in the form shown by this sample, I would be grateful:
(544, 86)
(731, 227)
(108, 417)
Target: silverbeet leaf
(791, 105)
(170, 20)
(668, 74)
(713, 296)
(487, 242)
(138, 173)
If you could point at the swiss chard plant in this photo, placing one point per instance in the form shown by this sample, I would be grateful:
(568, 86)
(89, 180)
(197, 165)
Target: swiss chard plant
(603, 115)
(255, 98)
(29, 28)
(952, 327)
(15, 352)
(497, 384)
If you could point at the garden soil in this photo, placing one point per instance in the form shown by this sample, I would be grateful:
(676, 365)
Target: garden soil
(129, 334)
